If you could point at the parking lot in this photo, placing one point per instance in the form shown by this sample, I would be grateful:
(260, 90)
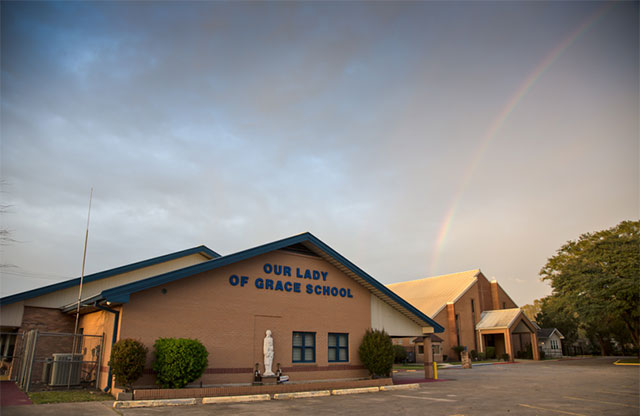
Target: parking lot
(585, 387)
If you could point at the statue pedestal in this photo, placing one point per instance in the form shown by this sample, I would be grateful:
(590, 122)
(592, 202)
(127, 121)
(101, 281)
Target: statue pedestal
(269, 380)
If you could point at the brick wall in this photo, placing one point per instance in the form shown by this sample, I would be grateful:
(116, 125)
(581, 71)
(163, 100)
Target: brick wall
(45, 320)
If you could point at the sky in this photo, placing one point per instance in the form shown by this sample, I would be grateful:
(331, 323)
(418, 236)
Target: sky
(414, 138)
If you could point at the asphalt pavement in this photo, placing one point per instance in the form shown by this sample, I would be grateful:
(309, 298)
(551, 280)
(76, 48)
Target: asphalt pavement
(586, 387)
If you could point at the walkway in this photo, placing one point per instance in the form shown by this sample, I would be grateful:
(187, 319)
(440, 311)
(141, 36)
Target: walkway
(11, 395)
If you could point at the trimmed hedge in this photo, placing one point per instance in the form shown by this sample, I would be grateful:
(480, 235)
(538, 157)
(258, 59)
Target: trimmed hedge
(377, 353)
(491, 352)
(458, 350)
(128, 357)
(179, 361)
(400, 354)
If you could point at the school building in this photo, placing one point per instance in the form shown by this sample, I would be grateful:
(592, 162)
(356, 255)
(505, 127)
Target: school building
(316, 303)
(475, 313)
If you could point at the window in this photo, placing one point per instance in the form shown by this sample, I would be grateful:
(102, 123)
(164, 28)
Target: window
(435, 348)
(304, 347)
(338, 348)
(473, 309)
(554, 344)
(420, 349)
(458, 328)
(504, 305)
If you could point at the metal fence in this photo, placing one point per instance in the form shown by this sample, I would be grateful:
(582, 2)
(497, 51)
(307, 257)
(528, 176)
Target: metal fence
(55, 360)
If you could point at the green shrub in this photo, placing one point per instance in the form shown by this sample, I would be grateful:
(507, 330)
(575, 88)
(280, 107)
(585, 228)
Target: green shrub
(505, 357)
(491, 352)
(458, 350)
(474, 354)
(179, 361)
(400, 354)
(542, 354)
(376, 353)
(482, 356)
(128, 358)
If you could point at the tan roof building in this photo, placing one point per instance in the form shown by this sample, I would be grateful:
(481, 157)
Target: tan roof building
(456, 302)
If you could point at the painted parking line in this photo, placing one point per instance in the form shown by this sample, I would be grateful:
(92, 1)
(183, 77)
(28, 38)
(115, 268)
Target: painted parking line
(433, 399)
(601, 401)
(621, 393)
(552, 410)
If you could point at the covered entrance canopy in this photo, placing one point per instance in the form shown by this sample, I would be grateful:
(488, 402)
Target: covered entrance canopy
(508, 330)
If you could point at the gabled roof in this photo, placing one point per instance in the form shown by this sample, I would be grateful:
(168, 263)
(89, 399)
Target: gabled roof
(503, 318)
(205, 251)
(432, 294)
(307, 240)
(544, 333)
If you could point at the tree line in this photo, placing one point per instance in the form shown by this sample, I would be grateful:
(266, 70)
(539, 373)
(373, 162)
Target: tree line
(595, 282)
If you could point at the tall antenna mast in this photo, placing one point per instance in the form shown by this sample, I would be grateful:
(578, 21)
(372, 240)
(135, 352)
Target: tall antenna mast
(84, 257)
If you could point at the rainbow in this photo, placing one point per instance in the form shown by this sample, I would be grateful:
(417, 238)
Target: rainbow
(501, 118)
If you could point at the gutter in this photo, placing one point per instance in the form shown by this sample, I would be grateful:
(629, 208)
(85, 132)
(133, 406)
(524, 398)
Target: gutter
(114, 338)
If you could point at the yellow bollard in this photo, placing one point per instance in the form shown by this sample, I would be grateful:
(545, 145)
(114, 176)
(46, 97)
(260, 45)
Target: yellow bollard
(435, 370)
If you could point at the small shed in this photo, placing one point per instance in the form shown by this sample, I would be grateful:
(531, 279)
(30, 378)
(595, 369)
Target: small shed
(550, 341)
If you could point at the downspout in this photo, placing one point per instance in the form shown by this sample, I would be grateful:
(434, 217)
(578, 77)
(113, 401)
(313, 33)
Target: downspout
(113, 339)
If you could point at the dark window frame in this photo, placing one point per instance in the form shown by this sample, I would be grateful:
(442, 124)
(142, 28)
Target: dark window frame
(338, 347)
(303, 348)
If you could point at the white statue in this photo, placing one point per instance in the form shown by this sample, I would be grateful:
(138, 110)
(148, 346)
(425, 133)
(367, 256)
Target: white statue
(267, 349)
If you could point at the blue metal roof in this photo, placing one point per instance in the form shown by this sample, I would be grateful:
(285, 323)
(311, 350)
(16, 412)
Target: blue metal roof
(121, 294)
(107, 273)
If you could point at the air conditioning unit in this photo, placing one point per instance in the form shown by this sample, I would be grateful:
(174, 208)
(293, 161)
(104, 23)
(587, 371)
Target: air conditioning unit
(46, 371)
(65, 369)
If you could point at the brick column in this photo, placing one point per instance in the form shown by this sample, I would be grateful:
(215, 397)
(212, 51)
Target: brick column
(428, 357)
(508, 347)
(451, 323)
(495, 302)
(534, 346)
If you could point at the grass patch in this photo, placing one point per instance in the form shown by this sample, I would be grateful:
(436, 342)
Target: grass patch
(407, 366)
(68, 396)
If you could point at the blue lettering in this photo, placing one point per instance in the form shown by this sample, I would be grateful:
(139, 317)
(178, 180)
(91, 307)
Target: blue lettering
(318, 290)
(309, 289)
(343, 292)
(334, 291)
(260, 283)
(324, 275)
(326, 290)
(279, 285)
(296, 287)
(316, 275)
(349, 295)
(287, 286)
(287, 271)
(243, 280)
(277, 269)
(298, 272)
(268, 284)
(233, 280)
(307, 274)
(267, 268)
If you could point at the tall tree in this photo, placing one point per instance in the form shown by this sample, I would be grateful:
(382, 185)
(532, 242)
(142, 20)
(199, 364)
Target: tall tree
(597, 278)
(531, 310)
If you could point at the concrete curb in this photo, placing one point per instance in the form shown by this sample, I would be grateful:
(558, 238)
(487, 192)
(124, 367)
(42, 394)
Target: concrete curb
(236, 399)
(301, 395)
(617, 362)
(152, 403)
(132, 404)
(412, 386)
(340, 392)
